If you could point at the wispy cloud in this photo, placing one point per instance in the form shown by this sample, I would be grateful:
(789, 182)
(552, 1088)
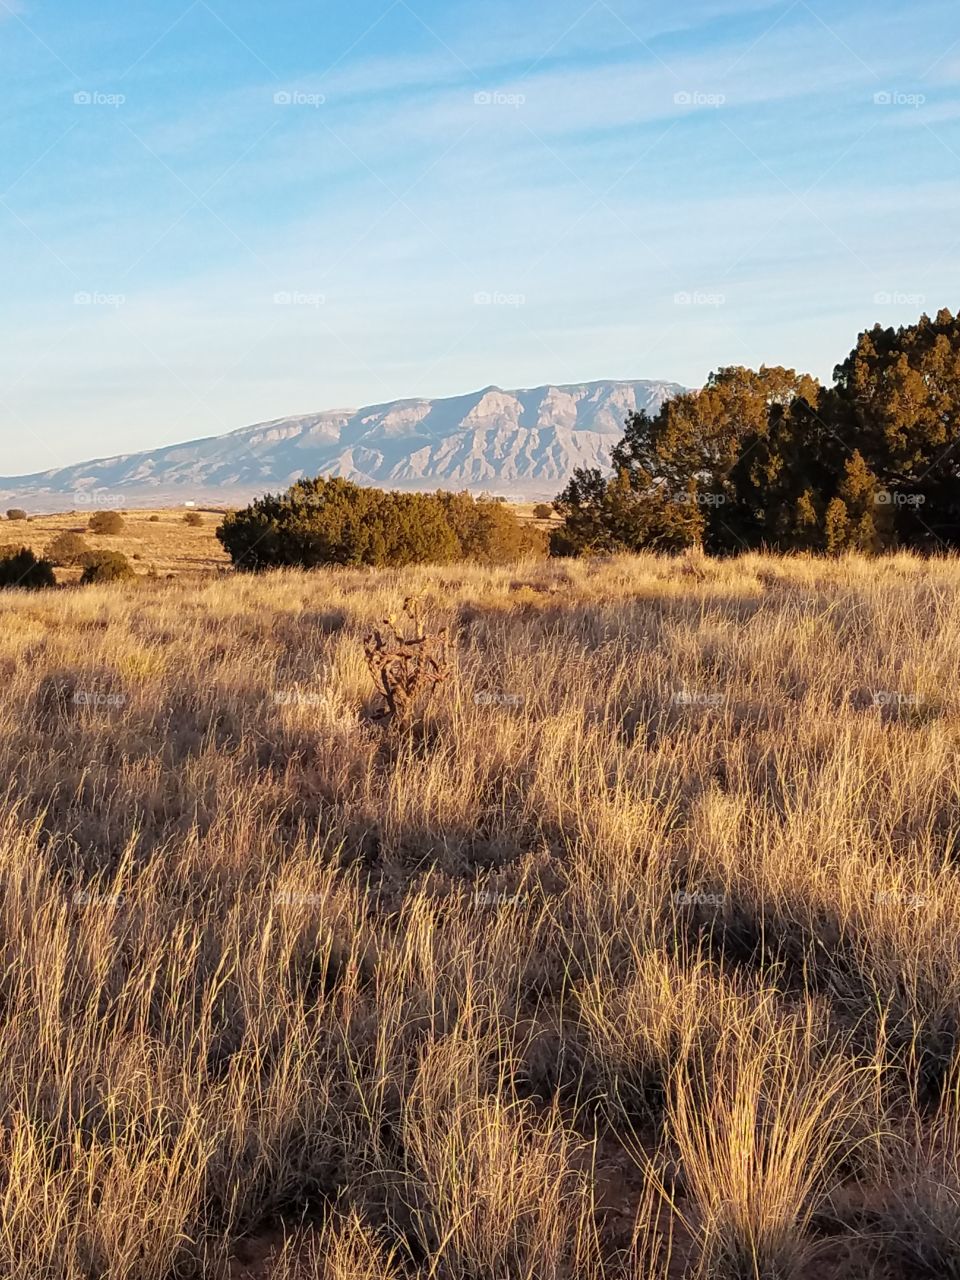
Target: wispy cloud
(593, 161)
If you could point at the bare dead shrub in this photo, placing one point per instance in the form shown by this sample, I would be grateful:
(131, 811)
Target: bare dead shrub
(405, 668)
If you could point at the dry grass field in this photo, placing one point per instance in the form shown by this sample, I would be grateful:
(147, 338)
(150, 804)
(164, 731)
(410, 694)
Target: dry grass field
(636, 958)
(156, 542)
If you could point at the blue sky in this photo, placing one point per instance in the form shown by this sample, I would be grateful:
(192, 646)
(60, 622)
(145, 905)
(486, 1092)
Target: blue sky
(216, 213)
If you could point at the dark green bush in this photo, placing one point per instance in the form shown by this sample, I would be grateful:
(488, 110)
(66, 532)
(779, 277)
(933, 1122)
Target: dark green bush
(336, 522)
(66, 549)
(109, 522)
(193, 518)
(488, 531)
(543, 511)
(769, 458)
(106, 566)
(19, 567)
(16, 513)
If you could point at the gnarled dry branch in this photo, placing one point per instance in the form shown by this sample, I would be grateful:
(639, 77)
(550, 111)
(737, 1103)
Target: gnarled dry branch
(405, 667)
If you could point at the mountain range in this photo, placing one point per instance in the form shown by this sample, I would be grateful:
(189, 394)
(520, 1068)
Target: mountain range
(521, 444)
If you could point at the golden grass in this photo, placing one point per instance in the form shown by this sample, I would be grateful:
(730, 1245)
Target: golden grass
(638, 957)
(155, 541)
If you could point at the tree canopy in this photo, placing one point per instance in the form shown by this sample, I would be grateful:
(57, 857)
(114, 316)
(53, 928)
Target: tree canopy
(770, 458)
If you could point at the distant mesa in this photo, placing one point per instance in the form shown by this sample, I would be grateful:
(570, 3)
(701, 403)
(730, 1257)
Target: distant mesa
(516, 444)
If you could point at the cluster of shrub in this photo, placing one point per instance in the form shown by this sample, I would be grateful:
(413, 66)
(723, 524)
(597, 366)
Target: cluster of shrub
(335, 522)
(769, 458)
(21, 567)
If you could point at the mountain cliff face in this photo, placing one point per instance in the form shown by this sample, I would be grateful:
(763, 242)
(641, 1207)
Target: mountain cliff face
(518, 443)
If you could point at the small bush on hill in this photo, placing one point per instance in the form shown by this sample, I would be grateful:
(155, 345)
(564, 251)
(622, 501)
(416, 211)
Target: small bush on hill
(67, 549)
(109, 522)
(19, 567)
(542, 511)
(321, 522)
(16, 513)
(106, 566)
(193, 518)
(154, 520)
